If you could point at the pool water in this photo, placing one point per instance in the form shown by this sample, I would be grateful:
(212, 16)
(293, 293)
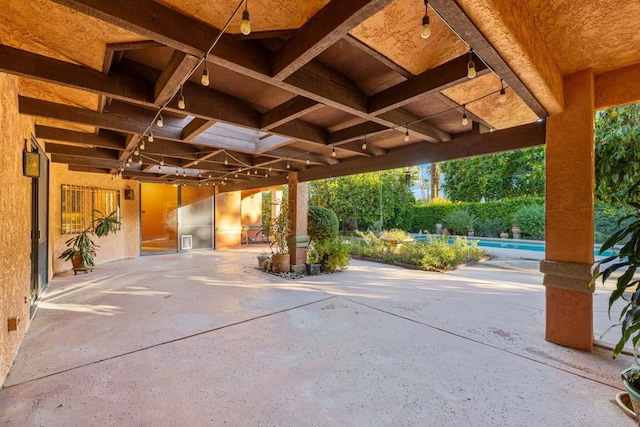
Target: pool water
(512, 244)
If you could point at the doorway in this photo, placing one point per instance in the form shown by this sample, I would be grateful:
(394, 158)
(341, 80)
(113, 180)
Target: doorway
(159, 218)
(39, 228)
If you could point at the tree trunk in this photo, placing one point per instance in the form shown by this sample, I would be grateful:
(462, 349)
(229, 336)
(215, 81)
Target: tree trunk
(435, 180)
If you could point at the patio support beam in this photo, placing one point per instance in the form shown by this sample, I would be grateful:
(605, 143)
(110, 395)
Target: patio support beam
(287, 111)
(101, 140)
(298, 239)
(330, 24)
(569, 215)
(174, 74)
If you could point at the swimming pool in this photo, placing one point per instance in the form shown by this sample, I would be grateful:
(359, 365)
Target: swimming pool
(523, 245)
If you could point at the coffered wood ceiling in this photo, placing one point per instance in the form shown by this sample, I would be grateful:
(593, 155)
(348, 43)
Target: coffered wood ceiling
(313, 78)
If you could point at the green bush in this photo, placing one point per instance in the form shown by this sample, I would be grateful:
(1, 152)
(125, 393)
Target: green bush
(530, 219)
(460, 222)
(395, 234)
(491, 227)
(606, 220)
(437, 254)
(322, 224)
(334, 252)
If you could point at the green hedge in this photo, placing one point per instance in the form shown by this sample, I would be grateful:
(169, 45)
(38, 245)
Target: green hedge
(322, 224)
(426, 217)
(495, 216)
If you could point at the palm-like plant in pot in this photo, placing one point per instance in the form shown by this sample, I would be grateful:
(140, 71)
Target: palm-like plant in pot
(279, 248)
(81, 248)
(625, 263)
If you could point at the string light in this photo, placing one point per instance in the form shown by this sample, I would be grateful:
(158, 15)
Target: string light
(426, 28)
(364, 143)
(140, 161)
(308, 161)
(160, 121)
(204, 80)
(136, 152)
(266, 175)
(142, 147)
(181, 103)
(162, 160)
(129, 160)
(150, 137)
(184, 173)
(333, 151)
(465, 120)
(503, 93)
(270, 168)
(176, 171)
(226, 160)
(471, 66)
(199, 174)
(236, 175)
(196, 161)
(245, 26)
(406, 135)
(288, 164)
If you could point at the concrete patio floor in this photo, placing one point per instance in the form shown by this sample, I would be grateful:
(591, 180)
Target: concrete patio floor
(204, 338)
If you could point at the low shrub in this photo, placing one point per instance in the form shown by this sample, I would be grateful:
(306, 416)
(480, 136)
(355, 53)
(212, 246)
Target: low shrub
(436, 254)
(460, 222)
(530, 219)
(491, 227)
(333, 252)
(395, 234)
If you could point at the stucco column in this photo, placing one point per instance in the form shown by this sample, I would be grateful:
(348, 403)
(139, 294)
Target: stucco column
(298, 240)
(569, 216)
(227, 220)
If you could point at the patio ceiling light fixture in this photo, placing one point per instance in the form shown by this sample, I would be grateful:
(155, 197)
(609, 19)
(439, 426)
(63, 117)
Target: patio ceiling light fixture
(503, 94)
(465, 120)
(425, 32)
(364, 143)
(245, 26)
(181, 103)
(471, 66)
(160, 121)
(406, 135)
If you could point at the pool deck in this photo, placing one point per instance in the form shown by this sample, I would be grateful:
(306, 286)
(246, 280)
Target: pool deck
(204, 338)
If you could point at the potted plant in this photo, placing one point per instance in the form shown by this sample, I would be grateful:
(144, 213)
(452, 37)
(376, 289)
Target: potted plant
(394, 239)
(314, 259)
(279, 249)
(627, 262)
(334, 254)
(81, 248)
(262, 259)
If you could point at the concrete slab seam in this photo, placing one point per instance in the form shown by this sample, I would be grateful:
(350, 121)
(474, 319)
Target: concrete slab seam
(240, 322)
(481, 343)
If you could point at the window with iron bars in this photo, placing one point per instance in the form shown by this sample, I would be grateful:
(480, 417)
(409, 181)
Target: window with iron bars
(79, 206)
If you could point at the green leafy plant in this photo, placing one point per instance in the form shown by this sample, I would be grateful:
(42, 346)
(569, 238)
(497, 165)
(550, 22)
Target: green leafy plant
(313, 256)
(530, 219)
(280, 231)
(322, 224)
(334, 253)
(81, 248)
(395, 235)
(460, 222)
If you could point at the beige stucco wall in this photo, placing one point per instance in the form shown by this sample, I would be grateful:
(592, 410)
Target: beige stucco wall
(15, 223)
(124, 244)
(228, 225)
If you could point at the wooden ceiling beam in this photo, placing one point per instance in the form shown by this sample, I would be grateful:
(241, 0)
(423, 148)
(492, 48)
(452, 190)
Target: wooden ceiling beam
(290, 110)
(134, 121)
(174, 74)
(530, 135)
(356, 132)
(70, 150)
(76, 168)
(432, 81)
(195, 128)
(31, 65)
(101, 140)
(299, 156)
(326, 27)
(85, 161)
(453, 14)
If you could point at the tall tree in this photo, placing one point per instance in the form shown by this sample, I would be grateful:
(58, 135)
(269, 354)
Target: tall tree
(617, 153)
(495, 176)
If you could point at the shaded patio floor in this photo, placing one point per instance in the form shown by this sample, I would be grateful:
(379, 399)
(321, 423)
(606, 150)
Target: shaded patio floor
(204, 338)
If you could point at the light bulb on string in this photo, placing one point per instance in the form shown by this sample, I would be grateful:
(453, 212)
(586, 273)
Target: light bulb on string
(255, 172)
(288, 165)
(364, 143)
(406, 135)
(184, 173)
(266, 175)
(199, 174)
(425, 31)
(129, 160)
(204, 80)
(209, 176)
(162, 161)
(245, 26)
(140, 161)
(196, 161)
(176, 171)
(308, 161)
(142, 147)
(270, 168)
(471, 66)
(160, 121)
(181, 103)
(226, 160)
(236, 175)
(136, 152)
(333, 151)
(150, 137)
(503, 93)
(465, 120)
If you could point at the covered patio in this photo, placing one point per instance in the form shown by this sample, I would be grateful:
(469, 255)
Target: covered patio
(206, 338)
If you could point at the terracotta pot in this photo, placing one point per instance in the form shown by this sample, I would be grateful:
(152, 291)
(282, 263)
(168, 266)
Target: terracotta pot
(635, 399)
(280, 263)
